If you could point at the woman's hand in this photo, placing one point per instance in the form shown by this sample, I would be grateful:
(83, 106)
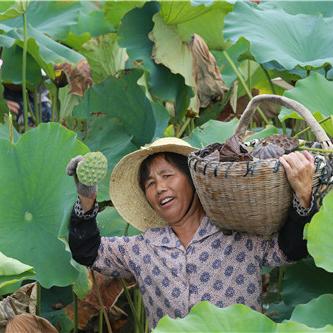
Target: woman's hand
(86, 193)
(299, 167)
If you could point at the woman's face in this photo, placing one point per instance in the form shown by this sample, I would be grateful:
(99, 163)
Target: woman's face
(168, 190)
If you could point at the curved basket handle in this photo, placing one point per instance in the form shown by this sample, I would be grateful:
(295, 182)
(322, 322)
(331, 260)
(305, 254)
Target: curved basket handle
(289, 103)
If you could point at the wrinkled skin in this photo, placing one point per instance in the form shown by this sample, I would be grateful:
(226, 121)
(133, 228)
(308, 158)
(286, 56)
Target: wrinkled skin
(299, 167)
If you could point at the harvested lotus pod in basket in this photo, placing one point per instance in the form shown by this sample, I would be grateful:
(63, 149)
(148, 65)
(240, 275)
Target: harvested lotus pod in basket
(274, 146)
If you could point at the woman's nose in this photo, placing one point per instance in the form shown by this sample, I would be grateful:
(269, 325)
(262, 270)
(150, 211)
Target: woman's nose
(161, 186)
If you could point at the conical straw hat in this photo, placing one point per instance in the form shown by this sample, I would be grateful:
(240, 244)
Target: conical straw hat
(125, 192)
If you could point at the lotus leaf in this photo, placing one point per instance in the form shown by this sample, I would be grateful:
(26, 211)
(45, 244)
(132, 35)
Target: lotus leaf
(37, 198)
(126, 119)
(10, 9)
(206, 20)
(315, 93)
(273, 32)
(303, 281)
(12, 67)
(13, 271)
(116, 10)
(104, 55)
(310, 7)
(319, 233)
(110, 223)
(212, 131)
(133, 35)
(316, 313)
(205, 317)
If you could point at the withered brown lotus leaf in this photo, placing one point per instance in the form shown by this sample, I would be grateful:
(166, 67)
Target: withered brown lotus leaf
(110, 290)
(79, 77)
(234, 151)
(207, 76)
(29, 323)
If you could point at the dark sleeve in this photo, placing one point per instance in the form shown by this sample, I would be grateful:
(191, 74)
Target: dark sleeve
(290, 237)
(84, 239)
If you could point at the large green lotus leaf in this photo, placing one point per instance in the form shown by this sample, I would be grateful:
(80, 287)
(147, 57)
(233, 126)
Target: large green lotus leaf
(37, 197)
(110, 223)
(133, 35)
(310, 7)
(209, 24)
(59, 18)
(108, 135)
(104, 56)
(304, 281)
(212, 131)
(13, 271)
(52, 17)
(319, 233)
(264, 133)
(116, 10)
(314, 92)
(12, 67)
(67, 102)
(123, 99)
(10, 9)
(316, 313)
(4, 132)
(273, 32)
(42, 48)
(205, 317)
(176, 55)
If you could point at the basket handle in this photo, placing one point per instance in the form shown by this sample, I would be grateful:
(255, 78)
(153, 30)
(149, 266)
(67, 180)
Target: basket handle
(317, 130)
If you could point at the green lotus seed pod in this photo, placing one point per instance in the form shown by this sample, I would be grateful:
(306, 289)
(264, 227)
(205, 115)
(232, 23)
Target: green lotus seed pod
(92, 169)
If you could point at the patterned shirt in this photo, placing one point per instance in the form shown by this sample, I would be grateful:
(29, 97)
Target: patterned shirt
(223, 269)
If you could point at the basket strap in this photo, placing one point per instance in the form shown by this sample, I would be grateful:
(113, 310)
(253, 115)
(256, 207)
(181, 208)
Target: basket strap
(317, 130)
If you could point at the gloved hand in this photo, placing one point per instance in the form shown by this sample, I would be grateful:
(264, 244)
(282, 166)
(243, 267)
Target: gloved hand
(84, 190)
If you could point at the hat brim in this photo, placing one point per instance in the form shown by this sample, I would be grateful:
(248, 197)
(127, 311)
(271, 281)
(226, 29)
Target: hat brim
(125, 192)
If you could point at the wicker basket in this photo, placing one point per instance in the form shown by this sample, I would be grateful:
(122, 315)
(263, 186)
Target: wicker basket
(249, 196)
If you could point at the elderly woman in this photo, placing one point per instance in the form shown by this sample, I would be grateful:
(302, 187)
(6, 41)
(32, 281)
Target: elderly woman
(182, 257)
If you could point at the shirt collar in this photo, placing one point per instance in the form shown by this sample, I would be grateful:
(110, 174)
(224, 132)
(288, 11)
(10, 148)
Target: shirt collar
(165, 236)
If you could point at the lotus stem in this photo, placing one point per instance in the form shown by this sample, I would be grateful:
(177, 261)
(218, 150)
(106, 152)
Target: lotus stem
(308, 128)
(242, 81)
(36, 107)
(182, 130)
(131, 304)
(100, 321)
(39, 299)
(11, 128)
(24, 70)
(76, 312)
(100, 301)
(319, 150)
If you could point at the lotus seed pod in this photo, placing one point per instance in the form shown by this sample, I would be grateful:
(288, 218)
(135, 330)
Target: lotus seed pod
(265, 151)
(92, 168)
(288, 144)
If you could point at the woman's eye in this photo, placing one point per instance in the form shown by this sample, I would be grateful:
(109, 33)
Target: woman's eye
(148, 184)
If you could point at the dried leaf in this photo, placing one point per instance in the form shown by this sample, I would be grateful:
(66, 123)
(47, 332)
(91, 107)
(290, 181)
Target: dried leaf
(22, 301)
(28, 323)
(110, 290)
(207, 76)
(79, 77)
(233, 151)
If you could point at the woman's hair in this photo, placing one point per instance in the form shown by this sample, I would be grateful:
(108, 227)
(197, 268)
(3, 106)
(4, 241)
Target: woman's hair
(178, 160)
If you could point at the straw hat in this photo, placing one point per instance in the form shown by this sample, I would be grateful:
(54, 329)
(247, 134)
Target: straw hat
(125, 191)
